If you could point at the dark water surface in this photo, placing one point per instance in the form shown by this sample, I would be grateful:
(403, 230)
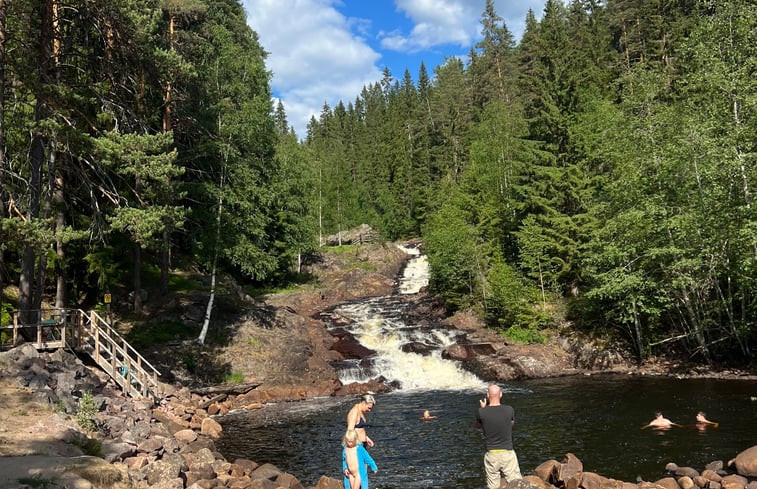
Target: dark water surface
(597, 418)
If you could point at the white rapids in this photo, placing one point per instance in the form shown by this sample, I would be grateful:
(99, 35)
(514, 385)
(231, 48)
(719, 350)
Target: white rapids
(378, 325)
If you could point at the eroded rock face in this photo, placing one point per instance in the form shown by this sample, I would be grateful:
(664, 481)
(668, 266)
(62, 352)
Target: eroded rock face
(512, 362)
(348, 347)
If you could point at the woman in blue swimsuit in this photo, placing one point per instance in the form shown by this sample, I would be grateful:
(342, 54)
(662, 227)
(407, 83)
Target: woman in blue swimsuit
(356, 418)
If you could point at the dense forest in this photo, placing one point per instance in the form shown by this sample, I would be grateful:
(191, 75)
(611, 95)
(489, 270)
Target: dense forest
(602, 170)
(134, 134)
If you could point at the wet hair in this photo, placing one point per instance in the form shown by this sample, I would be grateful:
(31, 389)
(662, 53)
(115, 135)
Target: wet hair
(351, 437)
(368, 399)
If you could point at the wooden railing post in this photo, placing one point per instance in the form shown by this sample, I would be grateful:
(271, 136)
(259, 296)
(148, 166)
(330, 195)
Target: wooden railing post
(15, 329)
(128, 375)
(113, 362)
(97, 346)
(79, 328)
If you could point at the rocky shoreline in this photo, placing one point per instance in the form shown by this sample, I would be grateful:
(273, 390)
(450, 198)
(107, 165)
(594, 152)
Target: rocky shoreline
(172, 445)
(287, 353)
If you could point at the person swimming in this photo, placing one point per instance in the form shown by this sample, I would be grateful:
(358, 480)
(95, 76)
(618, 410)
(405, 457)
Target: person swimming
(659, 422)
(426, 416)
(703, 422)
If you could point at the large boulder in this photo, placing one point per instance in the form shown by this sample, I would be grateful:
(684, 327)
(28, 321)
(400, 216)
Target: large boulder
(328, 483)
(668, 483)
(547, 471)
(468, 352)
(512, 362)
(348, 346)
(746, 462)
(569, 471)
(165, 470)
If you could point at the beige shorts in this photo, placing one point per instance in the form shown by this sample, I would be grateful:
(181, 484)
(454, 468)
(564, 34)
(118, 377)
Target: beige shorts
(499, 464)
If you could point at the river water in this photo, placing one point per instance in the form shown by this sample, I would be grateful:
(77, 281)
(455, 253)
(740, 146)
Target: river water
(597, 418)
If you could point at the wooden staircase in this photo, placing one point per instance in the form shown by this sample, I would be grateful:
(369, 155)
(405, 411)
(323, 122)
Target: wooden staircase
(89, 333)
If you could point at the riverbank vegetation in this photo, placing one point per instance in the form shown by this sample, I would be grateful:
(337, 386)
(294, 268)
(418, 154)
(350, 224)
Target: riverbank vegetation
(602, 170)
(605, 165)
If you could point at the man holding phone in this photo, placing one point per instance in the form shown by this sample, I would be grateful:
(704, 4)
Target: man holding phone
(497, 420)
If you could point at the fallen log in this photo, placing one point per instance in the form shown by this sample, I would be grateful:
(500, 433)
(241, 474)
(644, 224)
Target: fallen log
(226, 389)
(218, 398)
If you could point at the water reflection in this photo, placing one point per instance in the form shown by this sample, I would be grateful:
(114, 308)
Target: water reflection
(598, 419)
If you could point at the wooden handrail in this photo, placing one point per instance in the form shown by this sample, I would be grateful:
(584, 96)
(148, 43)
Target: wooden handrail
(129, 369)
(134, 372)
(113, 333)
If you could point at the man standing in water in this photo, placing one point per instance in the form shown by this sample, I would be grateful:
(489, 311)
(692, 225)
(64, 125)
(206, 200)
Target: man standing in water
(497, 421)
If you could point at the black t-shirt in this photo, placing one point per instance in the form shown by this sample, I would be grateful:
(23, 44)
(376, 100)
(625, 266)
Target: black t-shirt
(497, 423)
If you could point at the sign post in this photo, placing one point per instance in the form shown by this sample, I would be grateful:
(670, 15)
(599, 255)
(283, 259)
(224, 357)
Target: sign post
(106, 300)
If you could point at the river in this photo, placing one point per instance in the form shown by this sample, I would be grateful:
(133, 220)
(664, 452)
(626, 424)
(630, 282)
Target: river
(597, 418)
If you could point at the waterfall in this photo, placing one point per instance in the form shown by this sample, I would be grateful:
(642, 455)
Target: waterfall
(415, 276)
(407, 355)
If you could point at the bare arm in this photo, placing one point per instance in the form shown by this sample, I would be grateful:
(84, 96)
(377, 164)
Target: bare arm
(352, 418)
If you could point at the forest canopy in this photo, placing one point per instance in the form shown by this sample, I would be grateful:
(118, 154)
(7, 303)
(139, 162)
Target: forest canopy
(602, 170)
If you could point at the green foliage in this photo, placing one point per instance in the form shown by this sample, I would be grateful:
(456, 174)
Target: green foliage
(610, 156)
(89, 446)
(452, 255)
(86, 411)
(511, 300)
(152, 333)
(38, 482)
(234, 378)
(525, 334)
(179, 282)
(5, 314)
(191, 361)
(105, 266)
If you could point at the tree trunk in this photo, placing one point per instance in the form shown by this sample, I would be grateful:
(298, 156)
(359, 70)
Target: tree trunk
(696, 324)
(137, 279)
(165, 262)
(3, 23)
(168, 94)
(167, 126)
(60, 266)
(211, 298)
(320, 206)
(638, 336)
(46, 213)
(36, 157)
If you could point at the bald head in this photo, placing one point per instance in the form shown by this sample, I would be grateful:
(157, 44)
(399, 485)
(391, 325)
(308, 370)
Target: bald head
(494, 394)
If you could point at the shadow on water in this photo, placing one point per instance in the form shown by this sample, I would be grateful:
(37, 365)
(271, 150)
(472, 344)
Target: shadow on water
(597, 418)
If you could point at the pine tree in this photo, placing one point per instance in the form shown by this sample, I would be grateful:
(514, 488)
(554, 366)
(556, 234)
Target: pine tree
(491, 69)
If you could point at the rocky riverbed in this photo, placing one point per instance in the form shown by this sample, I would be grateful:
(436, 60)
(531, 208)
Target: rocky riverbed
(55, 436)
(285, 354)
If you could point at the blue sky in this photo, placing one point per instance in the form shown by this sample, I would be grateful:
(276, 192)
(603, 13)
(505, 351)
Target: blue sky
(328, 50)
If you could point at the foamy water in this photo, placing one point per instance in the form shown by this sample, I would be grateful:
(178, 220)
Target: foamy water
(378, 326)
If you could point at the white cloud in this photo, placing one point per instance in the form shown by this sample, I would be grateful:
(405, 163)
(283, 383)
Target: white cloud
(455, 22)
(317, 54)
(313, 54)
(435, 22)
